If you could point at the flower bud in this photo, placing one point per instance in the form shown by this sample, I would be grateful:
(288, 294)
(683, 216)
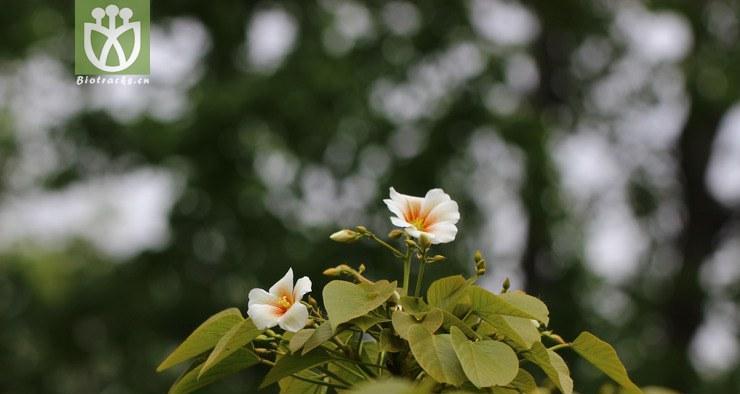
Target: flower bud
(424, 241)
(480, 263)
(478, 256)
(312, 301)
(395, 233)
(507, 284)
(395, 297)
(362, 229)
(346, 236)
(411, 243)
(437, 258)
(332, 272)
(361, 268)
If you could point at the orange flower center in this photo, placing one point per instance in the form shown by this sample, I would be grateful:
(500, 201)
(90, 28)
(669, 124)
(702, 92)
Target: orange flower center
(284, 303)
(418, 223)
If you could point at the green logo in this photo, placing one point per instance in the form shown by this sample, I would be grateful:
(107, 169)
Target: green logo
(112, 37)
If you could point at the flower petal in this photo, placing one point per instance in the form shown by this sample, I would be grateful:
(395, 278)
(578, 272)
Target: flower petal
(302, 286)
(395, 207)
(264, 316)
(443, 232)
(259, 296)
(294, 318)
(433, 198)
(413, 231)
(406, 207)
(283, 287)
(447, 211)
(399, 222)
(403, 199)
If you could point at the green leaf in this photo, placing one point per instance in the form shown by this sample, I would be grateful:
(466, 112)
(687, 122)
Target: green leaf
(524, 383)
(365, 322)
(435, 355)
(451, 320)
(294, 363)
(342, 373)
(402, 322)
(658, 390)
(291, 385)
(446, 292)
(531, 305)
(238, 336)
(203, 338)
(603, 356)
(552, 365)
(299, 339)
(237, 361)
(414, 306)
(504, 390)
(486, 363)
(390, 386)
(345, 301)
(389, 342)
(487, 305)
(322, 334)
(522, 332)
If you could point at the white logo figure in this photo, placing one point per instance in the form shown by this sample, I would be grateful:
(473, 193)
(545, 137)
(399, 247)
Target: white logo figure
(112, 33)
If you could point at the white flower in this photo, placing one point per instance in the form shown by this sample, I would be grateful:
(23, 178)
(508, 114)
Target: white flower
(435, 215)
(281, 305)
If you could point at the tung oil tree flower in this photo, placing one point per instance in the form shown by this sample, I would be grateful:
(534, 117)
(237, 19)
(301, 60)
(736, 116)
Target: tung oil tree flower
(281, 306)
(434, 215)
(369, 336)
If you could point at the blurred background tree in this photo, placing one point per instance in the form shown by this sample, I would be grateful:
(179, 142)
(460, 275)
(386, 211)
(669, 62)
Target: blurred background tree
(594, 148)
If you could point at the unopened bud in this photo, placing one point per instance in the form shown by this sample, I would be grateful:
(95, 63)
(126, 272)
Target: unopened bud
(332, 272)
(395, 233)
(478, 256)
(424, 241)
(362, 229)
(437, 258)
(312, 301)
(260, 350)
(411, 243)
(395, 297)
(271, 333)
(480, 263)
(507, 284)
(361, 268)
(346, 236)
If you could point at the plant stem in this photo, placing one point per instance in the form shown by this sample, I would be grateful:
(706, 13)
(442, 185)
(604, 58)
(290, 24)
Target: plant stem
(320, 382)
(406, 273)
(344, 348)
(381, 359)
(345, 269)
(388, 246)
(334, 376)
(560, 346)
(267, 362)
(353, 371)
(422, 264)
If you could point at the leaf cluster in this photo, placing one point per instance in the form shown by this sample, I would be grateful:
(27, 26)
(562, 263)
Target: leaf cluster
(370, 336)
